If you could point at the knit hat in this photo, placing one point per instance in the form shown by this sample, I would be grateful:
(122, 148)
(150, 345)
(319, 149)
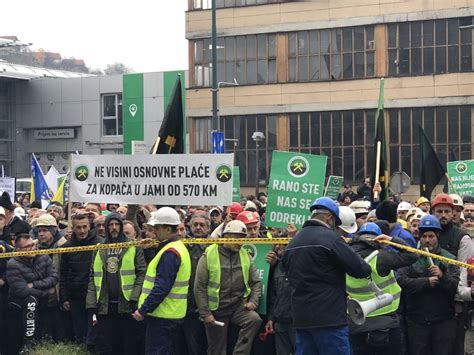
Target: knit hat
(387, 211)
(6, 202)
(35, 204)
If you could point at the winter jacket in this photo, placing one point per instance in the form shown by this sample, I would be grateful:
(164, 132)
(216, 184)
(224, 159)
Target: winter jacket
(124, 306)
(316, 261)
(398, 231)
(75, 269)
(195, 253)
(426, 304)
(232, 284)
(454, 240)
(279, 305)
(38, 270)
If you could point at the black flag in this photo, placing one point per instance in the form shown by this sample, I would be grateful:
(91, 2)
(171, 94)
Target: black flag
(431, 169)
(171, 132)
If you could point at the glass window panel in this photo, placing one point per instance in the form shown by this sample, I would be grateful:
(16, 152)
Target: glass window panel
(229, 3)
(292, 44)
(109, 105)
(262, 71)
(416, 61)
(336, 161)
(359, 64)
(198, 51)
(304, 130)
(453, 31)
(348, 164)
(272, 132)
(229, 72)
(336, 39)
(220, 71)
(303, 68)
(347, 39)
(314, 68)
(392, 62)
(359, 164)
(348, 70)
(440, 32)
(336, 66)
(293, 130)
(442, 150)
(272, 71)
(220, 46)
(405, 124)
(416, 164)
(326, 128)
(315, 130)
(466, 152)
(428, 61)
(251, 72)
(440, 125)
(359, 128)
(393, 124)
(392, 35)
(404, 35)
(240, 72)
(428, 33)
(370, 64)
(219, 3)
(251, 46)
(336, 129)
(292, 69)
(324, 38)
(109, 127)
(417, 119)
(207, 52)
(230, 48)
(453, 59)
(428, 122)
(262, 46)
(314, 42)
(415, 34)
(394, 158)
(453, 126)
(466, 58)
(348, 128)
(406, 160)
(272, 46)
(327, 152)
(370, 124)
(441, 60)
(302, 43)
(466, 35)
(262, 126)
(465, 120)
(240, 127)
(404, 62)
(359, 39)
(370, 40)
(325, 65)
(240, 47)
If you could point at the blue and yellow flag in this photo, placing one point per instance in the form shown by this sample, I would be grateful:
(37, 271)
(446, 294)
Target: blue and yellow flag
(39, 187)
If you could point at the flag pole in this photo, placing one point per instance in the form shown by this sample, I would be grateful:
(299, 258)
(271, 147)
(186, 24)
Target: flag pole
(155, 147)
(69, 202)
(377, 169)
(450, 183)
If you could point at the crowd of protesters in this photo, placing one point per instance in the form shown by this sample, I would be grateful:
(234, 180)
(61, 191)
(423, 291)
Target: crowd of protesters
(195, 299)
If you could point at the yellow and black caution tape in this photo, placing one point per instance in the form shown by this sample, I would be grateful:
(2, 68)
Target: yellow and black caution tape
(148, 244)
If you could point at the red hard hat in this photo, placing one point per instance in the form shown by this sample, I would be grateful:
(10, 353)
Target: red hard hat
(248, 217)
(234, 209)
(442, 199)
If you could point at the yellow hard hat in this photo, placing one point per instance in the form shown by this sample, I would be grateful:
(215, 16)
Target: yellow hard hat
(421, 200)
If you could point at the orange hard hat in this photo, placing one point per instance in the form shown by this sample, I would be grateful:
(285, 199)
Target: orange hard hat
(442, 199)
(234, 209)
(248, 217)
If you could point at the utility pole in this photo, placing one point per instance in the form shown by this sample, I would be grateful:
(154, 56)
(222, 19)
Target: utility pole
(215, 116)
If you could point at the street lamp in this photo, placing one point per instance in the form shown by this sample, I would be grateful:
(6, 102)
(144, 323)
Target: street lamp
(257, 137)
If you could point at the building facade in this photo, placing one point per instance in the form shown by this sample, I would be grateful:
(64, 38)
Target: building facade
(309, 75)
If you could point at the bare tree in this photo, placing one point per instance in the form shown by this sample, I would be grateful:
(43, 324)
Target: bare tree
(117, 68)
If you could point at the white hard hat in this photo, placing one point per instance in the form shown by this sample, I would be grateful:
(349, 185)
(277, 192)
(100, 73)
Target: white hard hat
(457, 200)
(417, 216)
(165, 215)
(250, 205)
(20, 212)
(235, 227)
(403, 206)
(348, 219)
(2, 211)
(359, 207)
(413, 211)
(46, 220)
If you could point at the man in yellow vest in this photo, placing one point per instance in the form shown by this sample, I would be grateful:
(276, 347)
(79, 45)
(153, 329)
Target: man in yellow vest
(227, 289)
(165, 290)
(114, 288)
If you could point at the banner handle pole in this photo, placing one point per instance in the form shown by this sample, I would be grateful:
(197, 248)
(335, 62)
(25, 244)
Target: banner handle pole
(450, 183)
(155, 147)
(69, 202)
(377, 169)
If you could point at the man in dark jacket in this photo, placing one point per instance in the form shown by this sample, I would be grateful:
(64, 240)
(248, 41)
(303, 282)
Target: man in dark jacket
(387, 211)
(430, 287)
(114, 288)
(380, 333)
(316, 261)
(13, 224)
(74, 276)
(30, 280)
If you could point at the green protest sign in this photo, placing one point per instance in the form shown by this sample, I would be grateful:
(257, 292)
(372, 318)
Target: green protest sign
(461, 174)
(333, 186)
(258, 252)
(296, 180)
(236, 187)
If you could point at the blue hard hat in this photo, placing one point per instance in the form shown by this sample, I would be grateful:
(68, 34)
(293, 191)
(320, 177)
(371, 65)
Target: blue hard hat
(370, 228)
(327, 204)
(429, 222)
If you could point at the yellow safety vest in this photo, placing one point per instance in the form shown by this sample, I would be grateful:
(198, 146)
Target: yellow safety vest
(127, 273)
(214, 270)
(175, 303)
(359, 289)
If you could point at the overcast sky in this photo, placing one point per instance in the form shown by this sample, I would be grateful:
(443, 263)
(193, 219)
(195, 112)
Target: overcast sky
(146, 35)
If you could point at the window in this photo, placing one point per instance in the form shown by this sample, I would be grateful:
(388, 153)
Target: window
(248, 59)
(430, 47)
(112, 115)
(207, 4)
(342, 53)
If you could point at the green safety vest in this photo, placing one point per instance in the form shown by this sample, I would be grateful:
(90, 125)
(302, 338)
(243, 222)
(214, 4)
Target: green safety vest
(127, 273)
(359, 289)
(214, 270)
(175, 303)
